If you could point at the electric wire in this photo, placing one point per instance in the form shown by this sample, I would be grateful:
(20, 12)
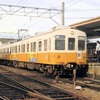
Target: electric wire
(10, 16)
(66, 9)
(73, 4)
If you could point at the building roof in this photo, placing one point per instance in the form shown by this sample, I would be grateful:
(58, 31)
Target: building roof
(91, 27)
(6, 40)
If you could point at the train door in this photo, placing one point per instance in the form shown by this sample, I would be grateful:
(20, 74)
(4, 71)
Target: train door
(71, 50)
(81, 54)
(91, 56)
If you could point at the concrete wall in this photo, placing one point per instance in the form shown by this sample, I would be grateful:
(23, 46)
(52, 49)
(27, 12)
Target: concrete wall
(94, 70)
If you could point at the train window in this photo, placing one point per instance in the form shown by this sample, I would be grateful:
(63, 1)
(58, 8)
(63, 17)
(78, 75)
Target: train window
(3, 50)
(60, 42)
(0, 51)
(15, 49)
(91, 48)
(81, 43)
(71, 43)
(49, 44)
(40, 45)
(60, 36)
(31, 47)
(7, 50)
(27, 47)
(34, 46)
(23, 48)
(19, 49)
(10, 50)
(45, 45)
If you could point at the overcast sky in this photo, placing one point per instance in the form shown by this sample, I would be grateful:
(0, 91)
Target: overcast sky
(75, 11)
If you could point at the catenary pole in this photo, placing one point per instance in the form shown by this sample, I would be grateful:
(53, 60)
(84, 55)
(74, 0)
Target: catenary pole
(62, 13)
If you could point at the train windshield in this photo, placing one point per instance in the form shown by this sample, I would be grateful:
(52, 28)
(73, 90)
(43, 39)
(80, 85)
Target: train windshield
(81, 43)
(60, 42)
(71, 44)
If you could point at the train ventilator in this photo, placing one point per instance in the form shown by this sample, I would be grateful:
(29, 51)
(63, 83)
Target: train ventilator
(59, 50)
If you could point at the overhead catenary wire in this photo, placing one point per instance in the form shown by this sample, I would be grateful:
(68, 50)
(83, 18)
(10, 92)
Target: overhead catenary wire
(10, 16)
(78, 17)
(67, 10)
(83, 9)
(12, 9)
(73, 4)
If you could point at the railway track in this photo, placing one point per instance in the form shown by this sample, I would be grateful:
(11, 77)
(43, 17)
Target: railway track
(83, 82)
(51, 92)
(90, 84)
(10, 86)
(92, 81)
(9, 92)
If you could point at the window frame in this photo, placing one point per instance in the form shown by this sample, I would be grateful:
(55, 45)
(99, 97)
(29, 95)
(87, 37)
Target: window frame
(71, 46)
(45, 45)
(40, 46)
(59, 40)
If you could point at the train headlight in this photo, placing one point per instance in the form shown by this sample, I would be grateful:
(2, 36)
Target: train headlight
(71, 65)
(68, 66)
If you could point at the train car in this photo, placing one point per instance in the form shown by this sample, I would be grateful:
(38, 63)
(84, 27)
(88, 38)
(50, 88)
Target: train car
(91, 56)
(56, 52)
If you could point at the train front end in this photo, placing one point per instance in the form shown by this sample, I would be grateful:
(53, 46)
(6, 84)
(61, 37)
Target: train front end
(70, 52)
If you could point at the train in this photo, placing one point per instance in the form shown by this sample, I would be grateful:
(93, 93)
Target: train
(56, 52)
(91, 56)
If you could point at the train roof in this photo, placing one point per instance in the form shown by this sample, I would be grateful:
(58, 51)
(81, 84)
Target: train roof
(40, 33)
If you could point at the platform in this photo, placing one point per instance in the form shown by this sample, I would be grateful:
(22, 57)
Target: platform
(94, 70)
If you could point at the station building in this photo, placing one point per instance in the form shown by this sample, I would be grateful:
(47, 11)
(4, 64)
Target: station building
(6, 40)
(92, 29)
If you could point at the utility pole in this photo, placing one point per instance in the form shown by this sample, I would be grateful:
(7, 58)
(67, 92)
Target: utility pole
(62, 13)
(20, 30)
(18, 34)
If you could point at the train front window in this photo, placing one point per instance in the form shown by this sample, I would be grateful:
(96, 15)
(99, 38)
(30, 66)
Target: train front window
(71, 44)
(81, 43)
(60, 42)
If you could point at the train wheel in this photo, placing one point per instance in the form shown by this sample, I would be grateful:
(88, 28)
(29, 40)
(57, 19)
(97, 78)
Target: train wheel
(55, 72)
(8, 63)
(41, 69)
(45, 72)
(15, 64)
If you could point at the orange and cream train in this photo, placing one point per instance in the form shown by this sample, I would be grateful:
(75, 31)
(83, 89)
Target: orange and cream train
(57, 51)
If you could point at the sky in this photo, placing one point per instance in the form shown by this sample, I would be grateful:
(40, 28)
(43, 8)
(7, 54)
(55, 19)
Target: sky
(75, 11)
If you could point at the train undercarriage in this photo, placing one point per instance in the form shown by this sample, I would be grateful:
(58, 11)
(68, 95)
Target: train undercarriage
(47, 69)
